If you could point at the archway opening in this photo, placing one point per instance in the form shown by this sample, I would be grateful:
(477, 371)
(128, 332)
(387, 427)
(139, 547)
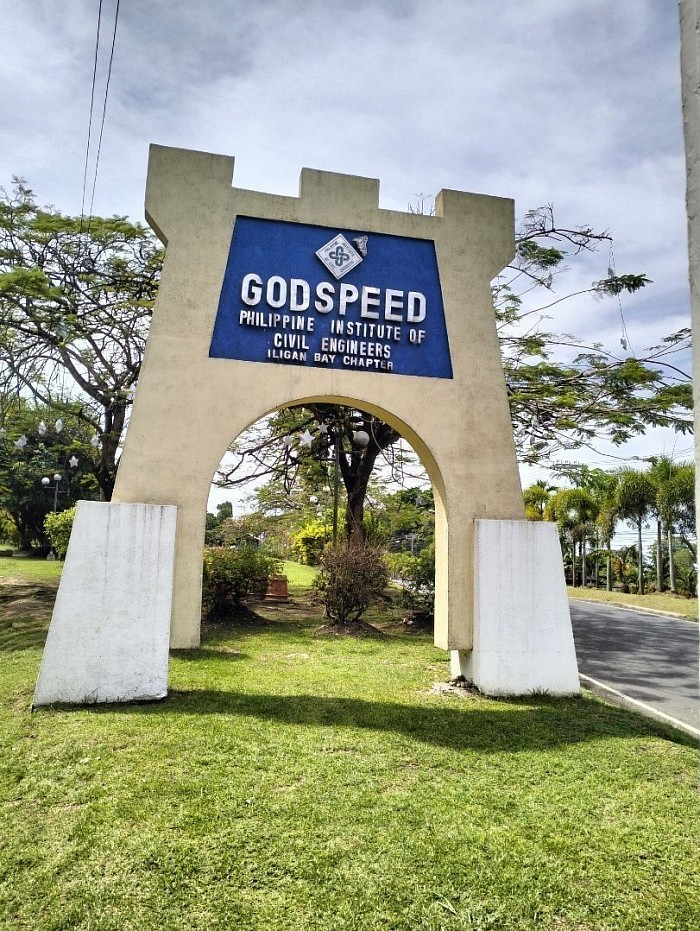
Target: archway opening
(320, 476)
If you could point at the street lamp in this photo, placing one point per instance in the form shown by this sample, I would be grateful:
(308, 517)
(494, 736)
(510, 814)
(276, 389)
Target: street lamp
(46, 481)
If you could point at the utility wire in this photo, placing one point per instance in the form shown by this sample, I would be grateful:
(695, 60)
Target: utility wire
(92, 114)
(625, 341)
(92, 107)
(104, 107)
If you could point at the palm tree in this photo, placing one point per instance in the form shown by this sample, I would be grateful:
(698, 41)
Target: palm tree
(575, 511)
(635, 499)
(675, 504)
(603, 488)
(536, 499)
(622, 563)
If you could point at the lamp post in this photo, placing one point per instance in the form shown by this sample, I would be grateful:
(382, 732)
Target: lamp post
(336, 481)
(360, 442)
(335, 430)
(46, 481)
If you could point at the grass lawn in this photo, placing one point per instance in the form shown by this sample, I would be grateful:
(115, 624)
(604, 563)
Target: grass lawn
(27, 570)
(663, 601)
(300, 577)
(293, 782)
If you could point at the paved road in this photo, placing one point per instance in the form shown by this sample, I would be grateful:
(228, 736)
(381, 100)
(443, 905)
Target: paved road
(648, 657)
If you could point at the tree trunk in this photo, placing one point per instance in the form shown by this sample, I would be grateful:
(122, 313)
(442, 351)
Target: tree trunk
(608, 567)
(583, 561)
(597, 561)
(659, 560)
(640, 560)
(671, 564)
(356, 470)
(114, 420)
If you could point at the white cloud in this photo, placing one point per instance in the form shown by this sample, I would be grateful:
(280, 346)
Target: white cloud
(546, 102)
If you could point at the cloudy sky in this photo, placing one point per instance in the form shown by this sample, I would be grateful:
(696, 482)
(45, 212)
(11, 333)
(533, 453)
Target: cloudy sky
(546, 101)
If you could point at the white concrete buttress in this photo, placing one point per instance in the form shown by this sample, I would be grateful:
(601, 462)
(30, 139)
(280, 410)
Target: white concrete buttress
(110, 629)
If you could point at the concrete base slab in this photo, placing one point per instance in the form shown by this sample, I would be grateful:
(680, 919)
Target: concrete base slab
(110, 630)
(523, 640)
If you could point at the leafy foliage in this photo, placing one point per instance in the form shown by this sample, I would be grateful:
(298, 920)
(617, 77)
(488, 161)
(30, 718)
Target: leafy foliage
(564, 394)
(45, 453)
(417, 575)
(231, 575)
(309, 541)
(58, 527)
(75, 305)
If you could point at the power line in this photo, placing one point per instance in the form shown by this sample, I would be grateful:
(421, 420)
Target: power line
(104, 104)
(92, 112)
(92, 107)
(625, 341)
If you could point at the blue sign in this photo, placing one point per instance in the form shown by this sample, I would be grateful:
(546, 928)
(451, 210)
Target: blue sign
(297, 294)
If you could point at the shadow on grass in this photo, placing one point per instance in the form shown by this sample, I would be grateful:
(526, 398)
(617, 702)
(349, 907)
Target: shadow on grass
(208, 653)
(25, 634)
(466, 724)
(25, 610)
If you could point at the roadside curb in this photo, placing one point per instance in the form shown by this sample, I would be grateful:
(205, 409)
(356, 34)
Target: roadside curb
(614, 697)
(638, 609)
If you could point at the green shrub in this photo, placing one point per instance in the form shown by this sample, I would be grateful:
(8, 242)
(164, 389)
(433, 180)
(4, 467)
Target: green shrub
(352, 577)
(231, 575)
(309, 541)
(58, 528)
(417, 575)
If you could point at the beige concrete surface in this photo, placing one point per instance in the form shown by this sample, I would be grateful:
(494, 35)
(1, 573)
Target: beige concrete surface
(188, 407)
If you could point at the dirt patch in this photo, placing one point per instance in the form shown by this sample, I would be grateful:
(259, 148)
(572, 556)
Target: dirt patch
(356, 629)
(19, 599)
(243, 616)
(459, 686)
(25, 612)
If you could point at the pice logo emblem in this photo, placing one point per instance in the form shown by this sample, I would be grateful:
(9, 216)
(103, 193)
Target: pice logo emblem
(340, 257)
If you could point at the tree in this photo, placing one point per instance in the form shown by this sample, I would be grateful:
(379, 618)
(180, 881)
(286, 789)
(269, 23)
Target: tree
(604, 491)
(575, 511)
(675, 505)
(600, 486)
(214, 522)
(635, 498)
(558, 404)
(405, 519)
(343, 449)
(32, 449)
(536, 498)
(623, 565)
(76, 295)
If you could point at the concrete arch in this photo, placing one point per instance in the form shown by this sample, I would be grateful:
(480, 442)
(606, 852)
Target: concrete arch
(405, 429)
(501, 603)
(188, 404)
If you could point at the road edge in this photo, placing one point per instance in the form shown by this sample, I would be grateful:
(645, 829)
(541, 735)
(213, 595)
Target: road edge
(638, 608)
(614, 697)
